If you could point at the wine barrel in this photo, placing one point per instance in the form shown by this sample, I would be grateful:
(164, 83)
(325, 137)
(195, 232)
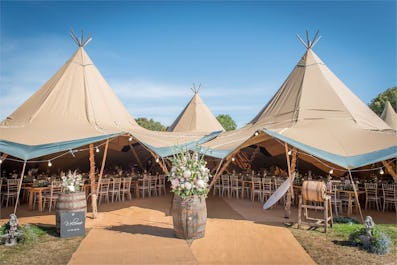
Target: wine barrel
(313, 191)
(189, 216)
(69, 202)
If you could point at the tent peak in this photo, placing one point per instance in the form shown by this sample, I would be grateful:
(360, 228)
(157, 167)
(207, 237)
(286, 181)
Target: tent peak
(194, 89)
(309, 43)
(80, 42)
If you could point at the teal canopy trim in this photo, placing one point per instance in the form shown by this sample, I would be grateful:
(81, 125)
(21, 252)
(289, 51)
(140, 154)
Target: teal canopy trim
(175, 149)
(27, 152)
(348, 162)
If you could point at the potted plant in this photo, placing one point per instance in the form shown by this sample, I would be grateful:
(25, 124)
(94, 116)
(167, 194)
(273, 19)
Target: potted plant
(71, 206)
(189, 178)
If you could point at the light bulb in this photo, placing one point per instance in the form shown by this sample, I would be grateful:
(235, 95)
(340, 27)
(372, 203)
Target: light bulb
(289, 152)
(97, 149)
(256, 133)
(1, 160)
(331, 171)
(49, 163)
(130, 139)
(157, 160)
(381, 171)
(233, 159)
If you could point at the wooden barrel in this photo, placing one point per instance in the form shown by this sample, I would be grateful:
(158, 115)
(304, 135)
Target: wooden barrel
(69, 202)
(189, 217)
(313, 191)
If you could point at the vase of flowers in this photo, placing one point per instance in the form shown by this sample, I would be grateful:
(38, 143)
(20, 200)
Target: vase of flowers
(71, 199)
(189, 178)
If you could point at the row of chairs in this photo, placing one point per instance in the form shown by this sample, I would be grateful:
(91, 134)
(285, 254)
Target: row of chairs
(151, 185)
(389, 197)
(114, 189)
(257, 188)
(10, 193)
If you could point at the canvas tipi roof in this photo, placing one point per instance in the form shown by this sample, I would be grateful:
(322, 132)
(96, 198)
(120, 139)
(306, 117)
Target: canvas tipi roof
(196, 117)
(389, 115)
(314, 111)
(74, 108)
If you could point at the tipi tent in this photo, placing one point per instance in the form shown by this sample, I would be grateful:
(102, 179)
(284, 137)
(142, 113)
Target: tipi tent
(389, 116)
(316, 113)
(77, 107)
(196, 117)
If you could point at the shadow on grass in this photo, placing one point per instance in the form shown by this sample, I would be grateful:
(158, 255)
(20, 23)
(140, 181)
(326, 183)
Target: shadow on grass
(344, 243)
(144, 230)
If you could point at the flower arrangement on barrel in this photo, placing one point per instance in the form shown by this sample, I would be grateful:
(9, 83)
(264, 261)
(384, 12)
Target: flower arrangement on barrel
(189, 178)
(72, 182)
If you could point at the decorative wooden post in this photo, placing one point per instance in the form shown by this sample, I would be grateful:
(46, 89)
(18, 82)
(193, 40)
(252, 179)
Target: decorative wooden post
(291, 176)
(93, 184)
(105, 153)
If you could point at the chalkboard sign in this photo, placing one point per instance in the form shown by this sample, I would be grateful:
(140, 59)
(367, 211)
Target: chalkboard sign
(72, 224)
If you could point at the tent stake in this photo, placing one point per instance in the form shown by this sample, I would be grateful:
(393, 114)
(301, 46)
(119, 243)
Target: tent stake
(19, 186)
(356, 196)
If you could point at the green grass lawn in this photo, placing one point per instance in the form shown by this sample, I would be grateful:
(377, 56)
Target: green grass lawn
(335, 247)
(41, 245)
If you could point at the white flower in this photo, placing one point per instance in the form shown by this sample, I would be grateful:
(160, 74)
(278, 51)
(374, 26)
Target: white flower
(188, 185)
(71, 188)
(200, 183)
(187, 174)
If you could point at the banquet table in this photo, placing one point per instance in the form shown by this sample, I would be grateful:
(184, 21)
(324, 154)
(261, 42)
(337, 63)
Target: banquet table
(39, 192)
(350, 194)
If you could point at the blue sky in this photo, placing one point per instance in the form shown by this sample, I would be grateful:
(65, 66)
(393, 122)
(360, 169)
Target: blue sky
(152, 52)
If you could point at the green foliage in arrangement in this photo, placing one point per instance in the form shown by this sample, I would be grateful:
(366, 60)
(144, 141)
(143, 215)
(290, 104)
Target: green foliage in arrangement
(227, 122)
(379, 243)
(189, 175)
(378, 104)
(150, 124)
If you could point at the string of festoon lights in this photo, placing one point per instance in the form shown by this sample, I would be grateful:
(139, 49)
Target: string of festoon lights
(331, 170)
(71, 152)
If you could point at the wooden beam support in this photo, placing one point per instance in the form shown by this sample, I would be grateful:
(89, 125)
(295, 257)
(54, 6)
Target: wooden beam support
(19, 187)
(105, 153)
(291, 175)
(136, 157)
(356, 196)
(161, 162)
(216, 177)
(390, 170)
(92, 181)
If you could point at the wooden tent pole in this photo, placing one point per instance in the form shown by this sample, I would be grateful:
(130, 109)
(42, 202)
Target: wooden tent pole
(287, 213)
(216, 177)
(389, 169)
(105, 153)
(356, 196)
(19, 187)
(161, 164)
(3, 157)
(93, 184)
(136, 156)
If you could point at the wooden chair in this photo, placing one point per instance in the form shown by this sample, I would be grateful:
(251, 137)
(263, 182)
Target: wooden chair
(389, 195)
(126, 188)
(266, 188)
(335, 200)
(218, 186)
(115, 189)
(225, 185)
(257, 189)
(104, 190)
(161, 184)
(143, 186)
(51, 197)
(235, 187)
(12, 191)
(153, 185)
(371, 194)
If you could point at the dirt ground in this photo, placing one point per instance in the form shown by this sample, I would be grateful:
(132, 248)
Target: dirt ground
(237, 232)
